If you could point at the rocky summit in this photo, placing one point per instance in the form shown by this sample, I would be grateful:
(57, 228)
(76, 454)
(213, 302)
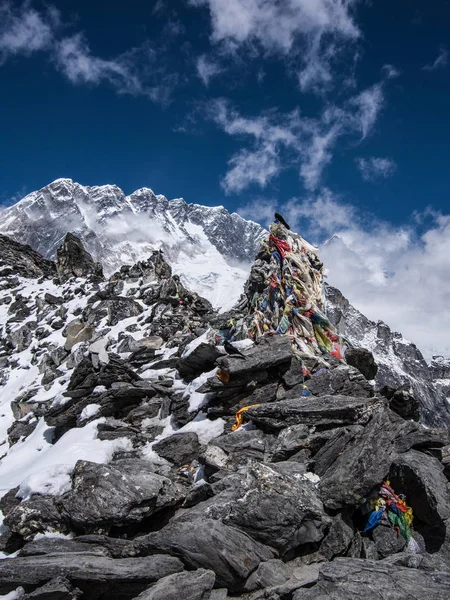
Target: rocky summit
(155, 448)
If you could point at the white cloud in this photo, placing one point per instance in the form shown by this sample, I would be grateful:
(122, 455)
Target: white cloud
(24, 31)
(74, 59)
(207, 69)
(393, 273)
(281, 141)
(369, 104)
(376, 168)
(440, 62)
(260, 210)
(314, 32)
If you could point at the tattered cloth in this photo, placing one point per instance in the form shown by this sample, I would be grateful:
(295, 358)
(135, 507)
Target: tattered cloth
(291, 302)
(389, 504)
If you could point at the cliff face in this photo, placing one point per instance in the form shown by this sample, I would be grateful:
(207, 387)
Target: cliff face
(400, 363)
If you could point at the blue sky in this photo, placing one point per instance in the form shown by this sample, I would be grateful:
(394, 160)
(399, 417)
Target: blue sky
(333, 111)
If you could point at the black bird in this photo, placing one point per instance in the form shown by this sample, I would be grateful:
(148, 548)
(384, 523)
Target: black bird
(279, 218)
(230, 349)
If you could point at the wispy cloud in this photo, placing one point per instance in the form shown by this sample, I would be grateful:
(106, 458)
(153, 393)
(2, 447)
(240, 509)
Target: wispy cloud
(24, 31)
(74, 59)
(313, 34)
(279, 141)
(376, 168)
(207, 69)
(440, 62)
(390, 72)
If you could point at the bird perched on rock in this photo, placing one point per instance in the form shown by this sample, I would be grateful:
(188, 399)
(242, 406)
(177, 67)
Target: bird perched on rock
(279, 218)
(230, 349)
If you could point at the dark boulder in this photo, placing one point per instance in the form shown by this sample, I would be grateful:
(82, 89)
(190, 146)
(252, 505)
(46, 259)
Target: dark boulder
(275, 506)
(116, 495)
(208, 544)
(39, 514)
(72, 260)
(387, 541)
(200, 360)
(179, 449)
(342, 380)
(363, 360)
(362, 464)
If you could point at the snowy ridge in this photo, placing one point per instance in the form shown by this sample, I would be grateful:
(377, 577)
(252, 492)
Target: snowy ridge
(208, 247)
(400, 362)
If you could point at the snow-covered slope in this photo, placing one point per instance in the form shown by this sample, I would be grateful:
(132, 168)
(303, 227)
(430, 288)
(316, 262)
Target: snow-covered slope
(209, 247)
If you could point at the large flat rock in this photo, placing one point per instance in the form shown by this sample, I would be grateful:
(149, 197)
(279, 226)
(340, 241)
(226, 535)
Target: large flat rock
(322, 411)
(97, 577)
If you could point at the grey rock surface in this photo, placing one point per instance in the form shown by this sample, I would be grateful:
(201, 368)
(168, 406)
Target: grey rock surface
(347, 578)
(209, 544)
(194, 585)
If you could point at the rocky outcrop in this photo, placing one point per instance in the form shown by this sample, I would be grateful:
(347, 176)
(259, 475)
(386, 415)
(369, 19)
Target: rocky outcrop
(22, 260)
(72, 260)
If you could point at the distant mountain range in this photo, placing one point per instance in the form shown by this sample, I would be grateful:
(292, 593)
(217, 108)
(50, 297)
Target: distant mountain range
(211, 248)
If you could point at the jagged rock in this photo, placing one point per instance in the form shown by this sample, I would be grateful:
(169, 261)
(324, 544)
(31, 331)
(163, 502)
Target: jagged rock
(23, 260)
(179, 449)
(338, 539)
(200, 360)
(194, 585)
(74, 261)
(362, 464)
(279, 509)
(36, 515)
(402, 402)
(59, 588)
(116, 495)
(96, 576)
(20, 429)
(345, 577)
(387, 541)
(343, 380)
(363, 360)
(77, 331)
(209, 544)
(9, 501)
(326, 411)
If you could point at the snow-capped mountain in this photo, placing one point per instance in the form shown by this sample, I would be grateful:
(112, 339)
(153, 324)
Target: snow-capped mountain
(209, 247)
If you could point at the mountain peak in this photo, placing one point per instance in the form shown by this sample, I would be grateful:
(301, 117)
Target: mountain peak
(207, 246)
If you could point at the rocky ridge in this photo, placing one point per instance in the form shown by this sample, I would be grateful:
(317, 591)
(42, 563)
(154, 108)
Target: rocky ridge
(121, 475)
